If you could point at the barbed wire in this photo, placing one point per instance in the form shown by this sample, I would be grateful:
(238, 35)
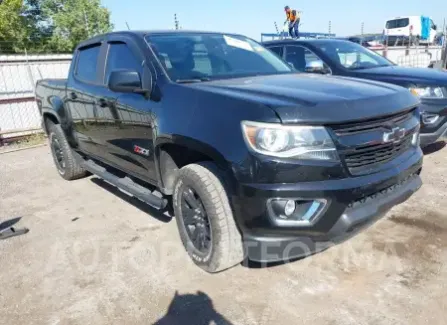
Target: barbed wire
(12, 47)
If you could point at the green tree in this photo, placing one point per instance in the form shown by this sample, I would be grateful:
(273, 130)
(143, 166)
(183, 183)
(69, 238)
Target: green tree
(13, 32)
(36, 21)
(72, 21)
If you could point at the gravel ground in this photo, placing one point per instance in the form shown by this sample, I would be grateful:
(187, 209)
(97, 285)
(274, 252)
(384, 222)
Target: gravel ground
(95, 256)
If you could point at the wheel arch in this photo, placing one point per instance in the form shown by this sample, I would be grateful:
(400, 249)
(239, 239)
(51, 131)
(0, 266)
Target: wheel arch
(49, 115)
(173, 154)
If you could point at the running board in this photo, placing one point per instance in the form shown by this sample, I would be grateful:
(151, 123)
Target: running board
(126, 185)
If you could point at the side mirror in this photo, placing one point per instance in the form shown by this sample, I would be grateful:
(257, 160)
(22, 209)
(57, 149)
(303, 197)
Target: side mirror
(126, 81)
(316, 66)
(435, 27)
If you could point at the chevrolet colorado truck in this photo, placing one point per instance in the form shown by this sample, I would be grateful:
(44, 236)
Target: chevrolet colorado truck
(257, 161)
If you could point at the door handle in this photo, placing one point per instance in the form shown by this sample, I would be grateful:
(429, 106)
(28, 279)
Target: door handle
(102, 102)
(73, 95)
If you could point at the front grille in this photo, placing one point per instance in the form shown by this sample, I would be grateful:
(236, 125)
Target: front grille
(372, 152)
(376, 154)
(360, 127)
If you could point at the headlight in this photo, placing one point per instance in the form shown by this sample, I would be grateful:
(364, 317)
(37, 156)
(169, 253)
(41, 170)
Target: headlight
(301, 142)
(428, 92)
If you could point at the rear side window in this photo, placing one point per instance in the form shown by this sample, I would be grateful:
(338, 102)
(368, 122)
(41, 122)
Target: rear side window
(120, 57)
(87, 62)
(397, 23)
(279, 50)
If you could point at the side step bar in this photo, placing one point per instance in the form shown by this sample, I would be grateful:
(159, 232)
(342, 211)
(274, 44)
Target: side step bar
(125, 184)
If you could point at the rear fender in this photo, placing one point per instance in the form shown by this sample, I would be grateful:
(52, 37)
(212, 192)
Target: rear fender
(63, 117)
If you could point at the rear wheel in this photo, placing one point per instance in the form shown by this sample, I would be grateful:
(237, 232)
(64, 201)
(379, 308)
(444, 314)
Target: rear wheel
(67, 166)
(205, 219)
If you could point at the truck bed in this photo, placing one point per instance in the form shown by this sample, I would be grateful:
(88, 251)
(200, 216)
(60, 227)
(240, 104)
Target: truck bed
(57, 84)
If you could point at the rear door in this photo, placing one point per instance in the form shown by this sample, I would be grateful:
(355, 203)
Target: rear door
(398, 27)
(129, 137)
(84, 89)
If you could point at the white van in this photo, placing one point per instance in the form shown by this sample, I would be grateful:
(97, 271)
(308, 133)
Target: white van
(421, 27)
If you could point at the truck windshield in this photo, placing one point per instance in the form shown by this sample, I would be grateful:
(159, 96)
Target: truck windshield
(201, 57)
(353, 56)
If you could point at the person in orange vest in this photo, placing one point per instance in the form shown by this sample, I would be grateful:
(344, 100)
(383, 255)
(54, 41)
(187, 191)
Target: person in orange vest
(293, 18)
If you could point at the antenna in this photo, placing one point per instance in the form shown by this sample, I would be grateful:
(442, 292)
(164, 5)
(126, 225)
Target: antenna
(127, 26)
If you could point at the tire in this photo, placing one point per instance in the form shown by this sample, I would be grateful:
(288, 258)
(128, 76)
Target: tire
(226, 249)
(69, 168)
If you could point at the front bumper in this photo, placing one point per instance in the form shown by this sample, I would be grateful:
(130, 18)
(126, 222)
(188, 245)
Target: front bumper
(353, 204)
(429, 138)
(431, 133)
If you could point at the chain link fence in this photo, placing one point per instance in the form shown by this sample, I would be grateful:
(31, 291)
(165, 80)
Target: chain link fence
(19, 73)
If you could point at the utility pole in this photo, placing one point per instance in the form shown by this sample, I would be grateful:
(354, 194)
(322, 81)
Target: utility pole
(330, 27)
(176, 22)
(362, 31)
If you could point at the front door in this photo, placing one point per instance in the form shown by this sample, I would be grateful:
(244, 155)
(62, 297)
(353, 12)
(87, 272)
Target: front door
(129, 137)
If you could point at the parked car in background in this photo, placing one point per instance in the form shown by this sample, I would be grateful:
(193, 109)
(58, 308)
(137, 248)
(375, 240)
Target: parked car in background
(344, 58)
(257, 160)
(421, 28)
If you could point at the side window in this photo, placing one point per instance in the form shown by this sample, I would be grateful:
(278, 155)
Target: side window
(433, 26)
(87, 61)
(300, 57)
(278, 50)
(120, 57)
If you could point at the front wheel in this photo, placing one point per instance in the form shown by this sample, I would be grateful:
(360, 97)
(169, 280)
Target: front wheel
(205, 219)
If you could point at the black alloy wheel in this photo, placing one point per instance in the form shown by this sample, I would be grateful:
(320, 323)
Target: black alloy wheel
(58, 154)
(196, 220)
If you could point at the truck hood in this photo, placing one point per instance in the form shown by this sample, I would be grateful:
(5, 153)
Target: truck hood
(422, 76)
(316, 99)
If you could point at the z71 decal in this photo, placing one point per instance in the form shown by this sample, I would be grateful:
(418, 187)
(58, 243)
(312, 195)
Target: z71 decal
(141, 151)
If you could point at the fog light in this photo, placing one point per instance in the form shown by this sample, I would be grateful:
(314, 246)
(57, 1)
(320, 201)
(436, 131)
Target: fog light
(298, 212)
(289, 208)
(429, 118)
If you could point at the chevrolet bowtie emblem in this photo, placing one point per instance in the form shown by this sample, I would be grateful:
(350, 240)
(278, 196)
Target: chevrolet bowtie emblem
(395, 135)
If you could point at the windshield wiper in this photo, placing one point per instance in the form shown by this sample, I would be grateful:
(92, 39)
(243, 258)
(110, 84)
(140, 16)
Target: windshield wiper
(188, 81)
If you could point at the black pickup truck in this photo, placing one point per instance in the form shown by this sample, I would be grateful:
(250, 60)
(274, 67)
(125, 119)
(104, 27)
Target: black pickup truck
(257, 161)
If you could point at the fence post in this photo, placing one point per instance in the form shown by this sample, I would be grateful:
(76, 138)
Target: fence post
(385, 50)
(30, 73)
